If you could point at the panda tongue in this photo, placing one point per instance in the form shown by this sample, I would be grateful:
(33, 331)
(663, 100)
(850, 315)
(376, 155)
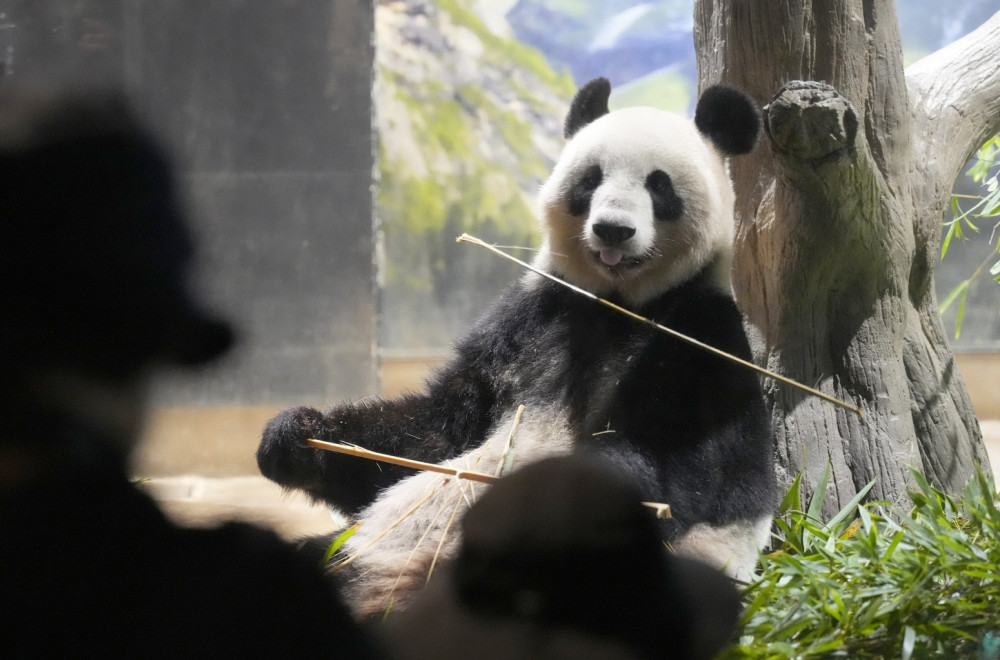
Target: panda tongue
(611, 256)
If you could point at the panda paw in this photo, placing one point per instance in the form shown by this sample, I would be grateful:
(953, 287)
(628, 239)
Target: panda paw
(283, 455)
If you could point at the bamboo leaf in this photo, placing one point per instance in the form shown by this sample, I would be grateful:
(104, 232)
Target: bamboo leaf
(792, 499)
(339, 542)
(848, 510)
(960, 315)
(909, 641)
(819, 494)
(955, 293)
(951, 233)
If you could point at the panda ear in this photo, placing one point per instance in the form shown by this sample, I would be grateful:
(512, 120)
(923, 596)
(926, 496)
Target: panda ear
(729, 118)
(589, 103)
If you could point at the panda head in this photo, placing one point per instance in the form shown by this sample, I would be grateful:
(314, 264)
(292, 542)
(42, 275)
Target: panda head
(640, 200)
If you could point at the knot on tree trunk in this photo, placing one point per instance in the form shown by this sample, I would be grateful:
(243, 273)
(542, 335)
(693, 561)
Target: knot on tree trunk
(810, 121)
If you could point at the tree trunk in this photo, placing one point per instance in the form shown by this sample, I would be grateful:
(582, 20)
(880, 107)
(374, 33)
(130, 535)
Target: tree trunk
(838, 229)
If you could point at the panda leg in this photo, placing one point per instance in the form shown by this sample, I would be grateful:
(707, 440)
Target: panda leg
(732, 548)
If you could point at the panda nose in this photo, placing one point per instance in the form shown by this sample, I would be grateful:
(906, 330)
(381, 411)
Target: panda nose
(613, 234)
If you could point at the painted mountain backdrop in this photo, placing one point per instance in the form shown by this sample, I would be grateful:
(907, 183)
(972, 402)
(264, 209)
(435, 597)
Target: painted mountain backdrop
(470, 96)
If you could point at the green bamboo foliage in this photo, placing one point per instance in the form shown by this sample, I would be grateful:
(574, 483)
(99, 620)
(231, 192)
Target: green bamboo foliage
(875, 582)
(985, 206)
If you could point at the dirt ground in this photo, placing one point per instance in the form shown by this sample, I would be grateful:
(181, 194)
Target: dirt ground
(200, 500)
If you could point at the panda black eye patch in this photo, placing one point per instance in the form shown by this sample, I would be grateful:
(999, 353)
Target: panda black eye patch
(666, 204)
(583, 190)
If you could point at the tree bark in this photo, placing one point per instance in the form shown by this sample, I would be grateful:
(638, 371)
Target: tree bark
(838, 229)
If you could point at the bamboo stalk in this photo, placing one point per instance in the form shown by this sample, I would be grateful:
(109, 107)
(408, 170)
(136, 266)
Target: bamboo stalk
(360, 452)
(447, 528)
(466, 238)
(661, 510)
(507, 459)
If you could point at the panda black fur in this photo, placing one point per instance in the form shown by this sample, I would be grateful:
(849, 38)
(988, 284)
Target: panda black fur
(639, 209)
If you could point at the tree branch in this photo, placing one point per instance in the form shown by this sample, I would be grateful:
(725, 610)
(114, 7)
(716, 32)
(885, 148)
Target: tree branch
(955, 100)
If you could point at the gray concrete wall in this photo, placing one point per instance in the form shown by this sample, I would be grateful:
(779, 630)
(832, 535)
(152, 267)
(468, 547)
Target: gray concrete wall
(267, 107)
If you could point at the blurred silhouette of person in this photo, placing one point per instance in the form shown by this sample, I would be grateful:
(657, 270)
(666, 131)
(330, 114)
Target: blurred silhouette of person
(93, 299)
(561, 561)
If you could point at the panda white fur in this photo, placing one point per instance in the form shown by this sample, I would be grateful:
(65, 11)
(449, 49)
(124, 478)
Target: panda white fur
(638, 209)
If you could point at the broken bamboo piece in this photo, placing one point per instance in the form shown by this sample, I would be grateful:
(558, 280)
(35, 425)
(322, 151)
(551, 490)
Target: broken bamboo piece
(661, 510)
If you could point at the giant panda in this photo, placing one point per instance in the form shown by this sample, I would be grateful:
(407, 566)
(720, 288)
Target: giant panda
(638, 210)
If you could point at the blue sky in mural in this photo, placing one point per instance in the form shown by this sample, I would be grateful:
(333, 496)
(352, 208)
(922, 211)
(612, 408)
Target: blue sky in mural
(646, 48)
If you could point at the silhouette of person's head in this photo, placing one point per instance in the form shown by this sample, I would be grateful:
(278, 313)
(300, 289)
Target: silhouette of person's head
(94, 259)
(93, 265)
(558, 560)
